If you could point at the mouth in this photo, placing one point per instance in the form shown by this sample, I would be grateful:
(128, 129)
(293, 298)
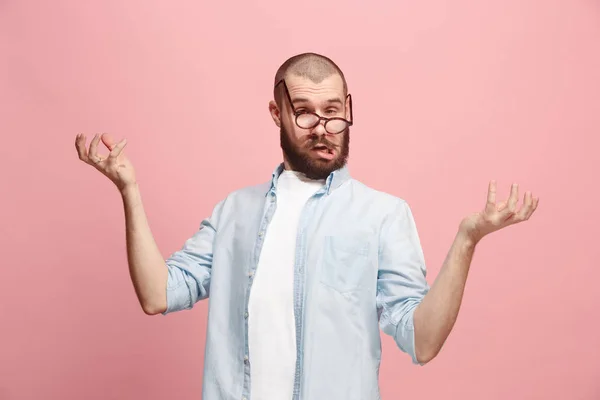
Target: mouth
(323, 152)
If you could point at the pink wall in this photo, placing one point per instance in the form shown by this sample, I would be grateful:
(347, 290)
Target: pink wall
(447, 95)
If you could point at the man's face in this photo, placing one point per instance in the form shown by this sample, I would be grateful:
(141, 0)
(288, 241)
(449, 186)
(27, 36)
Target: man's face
(314, 152)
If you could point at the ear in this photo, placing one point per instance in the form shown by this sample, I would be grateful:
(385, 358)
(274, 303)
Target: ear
(275, 114)
(347, 107)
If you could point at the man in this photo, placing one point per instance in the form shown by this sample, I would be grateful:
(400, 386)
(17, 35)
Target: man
(303, 270)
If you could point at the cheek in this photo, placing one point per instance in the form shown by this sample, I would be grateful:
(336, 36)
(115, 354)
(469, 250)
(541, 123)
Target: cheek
(295, 133)
(336, 139)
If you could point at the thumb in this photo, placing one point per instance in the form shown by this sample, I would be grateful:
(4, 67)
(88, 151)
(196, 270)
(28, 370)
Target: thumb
(502, 205)
(108, 141)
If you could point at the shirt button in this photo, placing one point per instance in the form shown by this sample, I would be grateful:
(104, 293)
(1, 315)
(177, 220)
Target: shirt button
(245, 358)
(246, 314)
(260, 234)
(251, 274)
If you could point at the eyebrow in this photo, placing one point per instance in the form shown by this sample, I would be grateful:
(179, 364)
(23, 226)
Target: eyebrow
(305, 100)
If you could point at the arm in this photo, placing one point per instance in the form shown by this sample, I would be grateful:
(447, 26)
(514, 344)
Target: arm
(179, 282)
(434, 318)
(189, 269)
(146, 265)
(160, 287)
(401, 283)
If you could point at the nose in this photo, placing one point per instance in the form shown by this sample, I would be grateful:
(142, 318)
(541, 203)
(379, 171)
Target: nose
(320, 129)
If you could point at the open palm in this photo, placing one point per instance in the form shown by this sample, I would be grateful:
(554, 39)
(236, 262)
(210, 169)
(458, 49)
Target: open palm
(496, 216)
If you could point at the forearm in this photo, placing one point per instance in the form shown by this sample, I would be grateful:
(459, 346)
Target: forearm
(435, 316)
(147, 267)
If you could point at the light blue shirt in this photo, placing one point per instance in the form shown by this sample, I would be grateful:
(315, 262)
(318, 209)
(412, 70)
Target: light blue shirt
(359, 267)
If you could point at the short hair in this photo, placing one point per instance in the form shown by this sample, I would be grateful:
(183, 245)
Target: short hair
(313, 66)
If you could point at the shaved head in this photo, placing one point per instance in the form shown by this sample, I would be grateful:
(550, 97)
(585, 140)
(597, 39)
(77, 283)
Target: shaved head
(310, 66)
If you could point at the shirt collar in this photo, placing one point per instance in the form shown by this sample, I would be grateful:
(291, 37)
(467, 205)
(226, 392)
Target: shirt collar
(333, 181)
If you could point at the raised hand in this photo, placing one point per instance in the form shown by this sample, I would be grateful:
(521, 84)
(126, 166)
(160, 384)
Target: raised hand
(496, 216)
(114, 165)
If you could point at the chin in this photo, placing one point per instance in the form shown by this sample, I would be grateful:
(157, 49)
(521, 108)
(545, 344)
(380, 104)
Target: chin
(310, 164)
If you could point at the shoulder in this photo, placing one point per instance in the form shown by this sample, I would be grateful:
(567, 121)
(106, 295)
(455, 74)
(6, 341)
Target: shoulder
(246, 196)
(251, 191)
(239, 203)
(378, 198)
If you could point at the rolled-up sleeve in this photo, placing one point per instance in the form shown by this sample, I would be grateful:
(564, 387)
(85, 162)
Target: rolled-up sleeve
(190, 267)
(401, 283)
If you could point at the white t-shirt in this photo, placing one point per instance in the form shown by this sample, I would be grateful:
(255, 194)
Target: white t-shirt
(271, 324)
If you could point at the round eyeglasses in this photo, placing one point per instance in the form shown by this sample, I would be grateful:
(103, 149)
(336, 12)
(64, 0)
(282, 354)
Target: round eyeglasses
(309, 120)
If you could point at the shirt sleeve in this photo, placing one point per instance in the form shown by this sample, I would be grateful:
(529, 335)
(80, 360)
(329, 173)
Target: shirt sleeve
(189, 269)
(401, 283)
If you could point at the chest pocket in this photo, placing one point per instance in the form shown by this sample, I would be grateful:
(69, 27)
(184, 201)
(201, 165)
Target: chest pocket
(345, 262)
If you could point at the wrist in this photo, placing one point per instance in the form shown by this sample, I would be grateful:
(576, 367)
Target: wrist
(129, 189)
(466, 239)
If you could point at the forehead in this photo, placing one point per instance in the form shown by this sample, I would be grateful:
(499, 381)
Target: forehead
(298, 86)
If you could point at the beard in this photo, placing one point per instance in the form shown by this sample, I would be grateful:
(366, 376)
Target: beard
(301, 160)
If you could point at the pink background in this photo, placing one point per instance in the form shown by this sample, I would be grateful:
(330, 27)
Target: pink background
(447, 95)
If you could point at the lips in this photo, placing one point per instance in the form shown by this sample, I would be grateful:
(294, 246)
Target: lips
(323, 151)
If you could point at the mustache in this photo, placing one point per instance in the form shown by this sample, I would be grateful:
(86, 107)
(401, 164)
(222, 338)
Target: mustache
(321, 141)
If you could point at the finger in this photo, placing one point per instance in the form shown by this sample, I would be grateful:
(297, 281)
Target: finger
(93, 153)
(81, 148)
(501, 206)
(533, 206)
(117, 149)
(108, 141)
(491, 196)
(514, 197)
(524, 212)
(492, 192)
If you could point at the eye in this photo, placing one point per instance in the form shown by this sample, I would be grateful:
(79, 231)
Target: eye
(331, 111)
